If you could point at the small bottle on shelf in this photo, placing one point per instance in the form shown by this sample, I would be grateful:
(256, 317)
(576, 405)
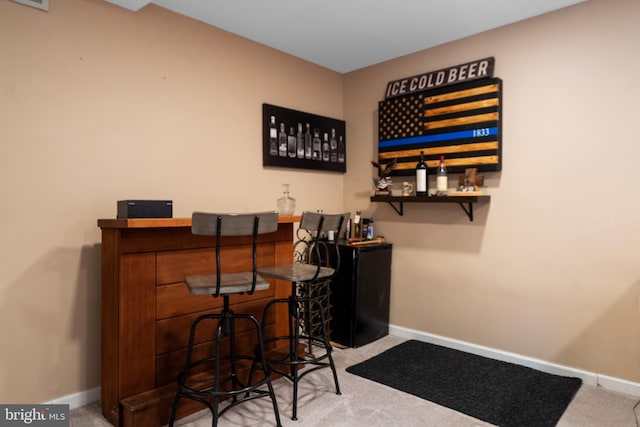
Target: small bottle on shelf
(421, 176)
(442, 182)
(357, 230)
(365, 228)
(347, 230)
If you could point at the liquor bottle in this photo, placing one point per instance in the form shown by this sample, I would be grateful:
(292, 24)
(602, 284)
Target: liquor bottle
(357, 230)
(307, 143)
(341, 150)
(365, 228)
(421, 176)
(286, 204)
(317, 146)
(442, 183)
(282, 142)
(333, 146)
(347, 230)
(300, 142)
(325, 148)
(370, 229)
(292, 142)
(273, 137)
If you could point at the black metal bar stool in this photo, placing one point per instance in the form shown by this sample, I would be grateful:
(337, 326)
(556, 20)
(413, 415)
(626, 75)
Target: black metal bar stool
(201, 387)
(308, 303)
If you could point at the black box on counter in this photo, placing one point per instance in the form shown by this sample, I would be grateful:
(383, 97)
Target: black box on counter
(145, 209)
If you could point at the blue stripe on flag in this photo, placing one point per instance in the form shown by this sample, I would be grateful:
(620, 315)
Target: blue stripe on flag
(435, 138)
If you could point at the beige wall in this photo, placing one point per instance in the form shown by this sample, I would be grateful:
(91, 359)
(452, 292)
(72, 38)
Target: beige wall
(550, 268)
(98, 104)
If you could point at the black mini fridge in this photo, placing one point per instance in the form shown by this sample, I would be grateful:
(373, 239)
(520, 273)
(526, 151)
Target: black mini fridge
(360, 294)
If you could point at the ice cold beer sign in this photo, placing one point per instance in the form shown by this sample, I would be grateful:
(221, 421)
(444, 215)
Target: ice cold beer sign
(460, 73)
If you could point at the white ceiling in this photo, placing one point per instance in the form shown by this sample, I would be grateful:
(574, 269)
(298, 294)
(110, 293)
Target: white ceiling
(345, 35)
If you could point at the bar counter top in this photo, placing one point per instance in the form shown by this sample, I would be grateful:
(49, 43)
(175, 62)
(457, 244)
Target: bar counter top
(165, 222)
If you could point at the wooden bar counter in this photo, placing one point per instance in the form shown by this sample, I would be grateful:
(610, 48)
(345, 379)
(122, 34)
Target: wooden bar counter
(147, 310)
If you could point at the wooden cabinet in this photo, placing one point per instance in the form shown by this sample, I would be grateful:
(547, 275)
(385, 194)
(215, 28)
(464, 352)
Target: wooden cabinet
(147, 310)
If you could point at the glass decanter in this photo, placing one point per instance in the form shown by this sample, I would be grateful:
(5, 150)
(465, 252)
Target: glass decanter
(286, 204)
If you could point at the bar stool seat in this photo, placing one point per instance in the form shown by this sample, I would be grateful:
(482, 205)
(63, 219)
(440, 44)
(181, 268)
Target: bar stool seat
(297, 272)
(230, 283)
(191, 383)
(308, 306)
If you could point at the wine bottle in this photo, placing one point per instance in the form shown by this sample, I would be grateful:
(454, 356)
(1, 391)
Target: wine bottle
(421, 176)
(442, 182)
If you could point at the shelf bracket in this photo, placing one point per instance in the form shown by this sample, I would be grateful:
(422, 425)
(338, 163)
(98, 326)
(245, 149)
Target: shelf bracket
(399, 209)
(468, 211)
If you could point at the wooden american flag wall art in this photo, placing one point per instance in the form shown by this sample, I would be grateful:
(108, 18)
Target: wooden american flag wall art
(461, 122)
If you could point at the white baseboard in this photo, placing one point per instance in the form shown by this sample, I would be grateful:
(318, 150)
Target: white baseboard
(591, 378)
(76, 400)
(619, 385)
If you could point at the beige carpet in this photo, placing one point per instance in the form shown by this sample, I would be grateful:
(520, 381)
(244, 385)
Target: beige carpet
(364, 403)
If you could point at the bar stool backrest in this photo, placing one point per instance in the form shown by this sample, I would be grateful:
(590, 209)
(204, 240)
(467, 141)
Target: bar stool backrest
(229, 224)
(313, 247)
(320, 222)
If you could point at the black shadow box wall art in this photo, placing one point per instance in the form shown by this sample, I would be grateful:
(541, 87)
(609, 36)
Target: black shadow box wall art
(294, 139)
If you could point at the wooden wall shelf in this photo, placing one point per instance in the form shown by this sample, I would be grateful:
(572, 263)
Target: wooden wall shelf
(465, 202)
